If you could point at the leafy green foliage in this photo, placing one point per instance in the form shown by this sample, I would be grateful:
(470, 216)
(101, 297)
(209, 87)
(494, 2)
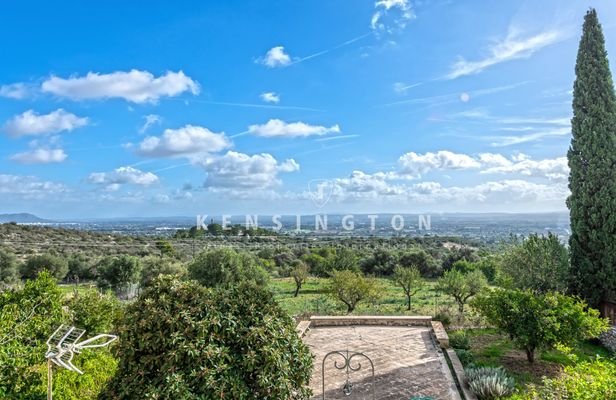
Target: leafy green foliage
(588, 380)
(539, 320)
(181, 340)
(118, 273)
(418, 257)
(592, 180)
(299, 273)
(462, 286)
(99, 366)
(410, 280)
(152, 267)
(351, 287)
(34, 265)
(93, 311)
(166, 249)
(539, 263)
(459, 340)
(489, 383)
(8, 268)
(27, 317)
(225, 267)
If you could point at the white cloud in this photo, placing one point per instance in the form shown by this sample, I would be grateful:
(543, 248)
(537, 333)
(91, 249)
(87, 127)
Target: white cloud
(415, 165)
(150, 120)
(510, 48)
(17, 91)
(553, 169)
(121, 176)
(241, 171)
(40, 156)
(270, 97)
(32, 123)
(275, 57)
(279, 128)
(398, 11)
(135, 86)
(29, 186)
(185, 141)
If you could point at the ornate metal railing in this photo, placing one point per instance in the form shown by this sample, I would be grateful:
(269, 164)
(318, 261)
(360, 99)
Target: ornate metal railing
(346, 364)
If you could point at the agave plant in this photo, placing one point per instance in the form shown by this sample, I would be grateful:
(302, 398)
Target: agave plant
(489, 383)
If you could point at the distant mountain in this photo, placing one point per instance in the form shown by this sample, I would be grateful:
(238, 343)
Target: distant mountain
(22, 218)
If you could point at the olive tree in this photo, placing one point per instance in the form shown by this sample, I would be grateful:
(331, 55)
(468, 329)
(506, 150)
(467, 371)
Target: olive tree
(539, 263)
(299, 273)
(351, 287)
(462, 286)
(57, 266)
(535, 321)
(194, 342)
(410, 280)
(226, 267)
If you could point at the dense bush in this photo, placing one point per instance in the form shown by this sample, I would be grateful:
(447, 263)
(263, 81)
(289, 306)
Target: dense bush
(27, 317)
(152, 267)
(183, 341)
(466, 357)
(57, 266)
(459, 340)
(9, 274)
(225, 267)
(588, 380)
(93, 311)
(535, 321)
(118, 273)
(489, 383)
(539, 263)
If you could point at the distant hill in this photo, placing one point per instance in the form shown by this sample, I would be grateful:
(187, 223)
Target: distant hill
(22, 218)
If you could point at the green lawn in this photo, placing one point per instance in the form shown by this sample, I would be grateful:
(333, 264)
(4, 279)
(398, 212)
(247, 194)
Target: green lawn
(313, 299)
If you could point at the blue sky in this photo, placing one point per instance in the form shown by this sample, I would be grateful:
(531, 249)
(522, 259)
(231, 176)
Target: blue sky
(288, 107)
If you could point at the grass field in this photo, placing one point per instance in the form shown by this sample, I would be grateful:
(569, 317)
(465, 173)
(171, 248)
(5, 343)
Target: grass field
(313, 299)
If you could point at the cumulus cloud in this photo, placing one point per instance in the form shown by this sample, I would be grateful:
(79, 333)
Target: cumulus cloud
(17, 91)
(391, 14)
(270, 97)
(185, 141)
(122, 176)
(279, 128)
(29, 186)
(415, 165)
(275, 57)
(241, 171)
(553, 169)
(512, 47)
(32, 123)
(40, 156)
(134, 86)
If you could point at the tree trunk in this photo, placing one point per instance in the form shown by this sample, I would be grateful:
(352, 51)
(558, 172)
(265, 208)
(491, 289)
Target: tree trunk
(530, 355)
(408, 302)
(297, 288)
(461, 307)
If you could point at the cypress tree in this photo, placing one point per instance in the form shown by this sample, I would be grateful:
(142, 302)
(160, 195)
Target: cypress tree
(592, 160)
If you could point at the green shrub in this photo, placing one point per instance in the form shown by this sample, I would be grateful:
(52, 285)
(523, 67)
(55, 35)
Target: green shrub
(225, 267)
(466, 357)
(180, 340)
(443, 317)
(489, 383)
(589, 380)
(459, 340)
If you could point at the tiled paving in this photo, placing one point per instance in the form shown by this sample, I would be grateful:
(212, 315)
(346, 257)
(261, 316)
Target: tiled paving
(406, 363)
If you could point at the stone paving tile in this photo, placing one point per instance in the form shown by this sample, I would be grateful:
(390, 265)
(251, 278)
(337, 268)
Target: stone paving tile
(406, 363)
